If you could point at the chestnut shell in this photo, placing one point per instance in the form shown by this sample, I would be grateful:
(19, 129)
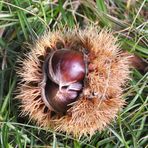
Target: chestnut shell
(63, 75)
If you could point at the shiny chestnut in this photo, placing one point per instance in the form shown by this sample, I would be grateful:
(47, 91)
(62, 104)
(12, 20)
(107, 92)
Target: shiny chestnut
(63, 75)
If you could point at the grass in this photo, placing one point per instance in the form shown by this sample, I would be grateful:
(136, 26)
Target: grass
(24, 21)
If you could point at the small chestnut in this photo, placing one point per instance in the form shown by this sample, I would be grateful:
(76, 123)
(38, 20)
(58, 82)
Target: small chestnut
(64, 71)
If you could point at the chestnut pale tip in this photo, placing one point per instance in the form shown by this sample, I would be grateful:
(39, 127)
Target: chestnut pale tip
(64, 72)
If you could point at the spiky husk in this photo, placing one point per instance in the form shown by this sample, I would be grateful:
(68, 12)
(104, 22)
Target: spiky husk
(100, 101)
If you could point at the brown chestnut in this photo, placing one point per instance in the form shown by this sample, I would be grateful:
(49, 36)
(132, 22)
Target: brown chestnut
(63, 74)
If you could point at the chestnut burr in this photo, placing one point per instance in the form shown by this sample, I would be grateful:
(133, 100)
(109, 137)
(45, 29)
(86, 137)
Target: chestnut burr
(69, 90)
